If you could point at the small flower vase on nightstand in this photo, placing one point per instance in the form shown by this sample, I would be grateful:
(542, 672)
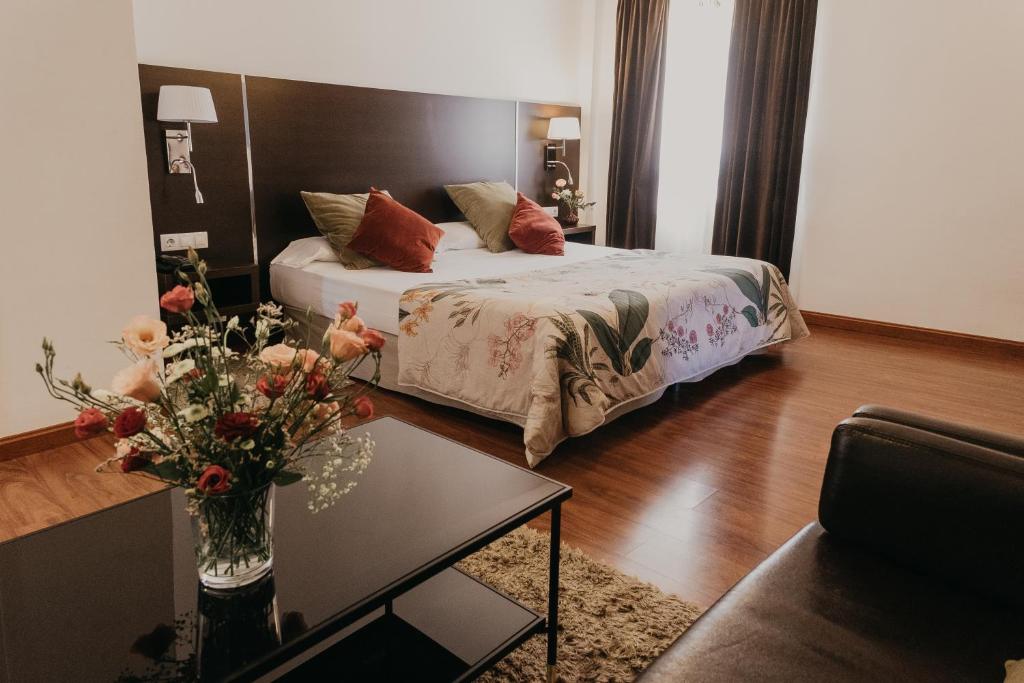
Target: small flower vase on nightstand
(567, 215)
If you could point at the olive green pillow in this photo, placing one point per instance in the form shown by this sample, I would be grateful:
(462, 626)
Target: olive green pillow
(488, 207)
(337, 216)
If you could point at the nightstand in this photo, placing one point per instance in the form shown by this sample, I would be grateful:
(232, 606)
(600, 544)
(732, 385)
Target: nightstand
(581, 233)
(235, 289)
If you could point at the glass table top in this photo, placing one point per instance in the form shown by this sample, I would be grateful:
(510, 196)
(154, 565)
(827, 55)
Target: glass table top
(97, 598)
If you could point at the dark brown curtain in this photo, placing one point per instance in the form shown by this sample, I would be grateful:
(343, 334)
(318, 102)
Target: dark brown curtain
(636, 122)
(763, 135)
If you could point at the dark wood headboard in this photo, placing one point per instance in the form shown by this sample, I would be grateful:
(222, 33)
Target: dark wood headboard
(333, 138)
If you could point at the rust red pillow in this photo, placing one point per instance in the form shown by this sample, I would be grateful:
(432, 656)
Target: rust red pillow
(395, 235)
(534, 230)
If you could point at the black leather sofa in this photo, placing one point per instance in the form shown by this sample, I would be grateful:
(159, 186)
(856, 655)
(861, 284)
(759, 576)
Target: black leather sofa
(914, 571)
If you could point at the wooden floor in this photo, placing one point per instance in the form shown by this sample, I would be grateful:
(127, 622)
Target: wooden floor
(690, 493)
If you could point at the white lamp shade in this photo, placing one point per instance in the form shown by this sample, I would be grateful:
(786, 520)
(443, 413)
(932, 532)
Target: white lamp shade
(185, 103)
(564, 128)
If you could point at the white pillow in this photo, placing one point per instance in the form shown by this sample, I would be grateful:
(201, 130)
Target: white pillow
(458, 235)
(303, 252)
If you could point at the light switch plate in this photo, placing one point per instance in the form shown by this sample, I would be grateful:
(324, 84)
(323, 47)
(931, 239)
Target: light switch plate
(200, 240)
(552, 210)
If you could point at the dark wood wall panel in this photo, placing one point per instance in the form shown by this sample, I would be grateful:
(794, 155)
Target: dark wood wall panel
(219, 156)
(536, 181)
(342, 139)
(332, 138)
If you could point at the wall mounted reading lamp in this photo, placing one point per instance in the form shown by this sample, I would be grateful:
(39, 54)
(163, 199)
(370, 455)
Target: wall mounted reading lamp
(560, 128)
(184, 104)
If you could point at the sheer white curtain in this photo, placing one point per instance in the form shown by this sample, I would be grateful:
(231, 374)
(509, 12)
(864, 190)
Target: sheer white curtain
(697, 55)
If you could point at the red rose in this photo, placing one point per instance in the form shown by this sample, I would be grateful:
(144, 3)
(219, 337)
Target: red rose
(130, 422)
(232, 426)
(273, 386)
(214, 479)
(317, 386)
(363, 407)
(133, 460)
(347, 309)
(90, 422)
(374, 339)
(178, 300)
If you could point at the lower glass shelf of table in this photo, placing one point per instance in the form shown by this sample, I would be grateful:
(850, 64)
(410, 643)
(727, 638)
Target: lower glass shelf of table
(450, 628)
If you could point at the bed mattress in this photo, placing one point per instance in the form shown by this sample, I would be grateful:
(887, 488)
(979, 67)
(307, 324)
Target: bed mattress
(321, 285)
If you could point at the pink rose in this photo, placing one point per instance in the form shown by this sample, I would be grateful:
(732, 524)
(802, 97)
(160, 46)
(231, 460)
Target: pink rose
(178, 300)
(354, 324)
(711, 330)
(138, 381)
(347, 309)
(278, 355)
(362, 407)
(693, 336)
(145, 336)
(273, 386)
(308, 358)
(554, 195)
(374, 339)
(90, 422)
(560, 183)
(346, 345)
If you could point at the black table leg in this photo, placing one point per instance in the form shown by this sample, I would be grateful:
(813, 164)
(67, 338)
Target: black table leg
(556, 528)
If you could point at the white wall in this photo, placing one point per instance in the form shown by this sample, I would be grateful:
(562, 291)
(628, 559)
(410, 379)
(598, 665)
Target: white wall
(78, 255)
(912, 197)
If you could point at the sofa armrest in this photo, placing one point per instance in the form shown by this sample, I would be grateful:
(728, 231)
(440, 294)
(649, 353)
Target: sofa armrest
(979, 437)
(928, 501)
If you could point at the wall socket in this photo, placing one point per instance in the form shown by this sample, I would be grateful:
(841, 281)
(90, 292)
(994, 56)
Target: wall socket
(179, 241)
(552, 210)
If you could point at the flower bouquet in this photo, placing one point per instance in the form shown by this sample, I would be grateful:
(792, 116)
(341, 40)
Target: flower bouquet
(226, 425)
(570, 202)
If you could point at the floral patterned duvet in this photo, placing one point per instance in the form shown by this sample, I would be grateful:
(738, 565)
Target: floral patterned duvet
(556, 350)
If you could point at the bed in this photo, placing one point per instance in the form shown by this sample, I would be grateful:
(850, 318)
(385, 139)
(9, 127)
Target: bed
(556, 345)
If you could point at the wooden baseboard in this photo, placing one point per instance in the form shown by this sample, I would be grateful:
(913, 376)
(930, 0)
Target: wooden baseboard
(37, 440)
(962, 340)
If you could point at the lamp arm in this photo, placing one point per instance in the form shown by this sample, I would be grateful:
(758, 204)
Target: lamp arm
(567, 169)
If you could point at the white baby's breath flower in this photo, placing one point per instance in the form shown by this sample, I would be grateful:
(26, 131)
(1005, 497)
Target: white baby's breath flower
(233, 324)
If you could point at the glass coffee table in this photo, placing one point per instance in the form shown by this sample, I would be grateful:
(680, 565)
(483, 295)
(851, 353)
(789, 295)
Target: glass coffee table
(364, 591)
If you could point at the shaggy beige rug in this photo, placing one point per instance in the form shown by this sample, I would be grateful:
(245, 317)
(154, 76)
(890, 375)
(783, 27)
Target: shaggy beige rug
(611, 626)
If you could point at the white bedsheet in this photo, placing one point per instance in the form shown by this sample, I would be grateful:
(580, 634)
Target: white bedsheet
(321, 285)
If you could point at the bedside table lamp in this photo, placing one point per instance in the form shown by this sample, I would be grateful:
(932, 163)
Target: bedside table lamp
(560, 128)
(184, 104)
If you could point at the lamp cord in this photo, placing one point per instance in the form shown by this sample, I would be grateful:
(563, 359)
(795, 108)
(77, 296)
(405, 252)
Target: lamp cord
(195, 176)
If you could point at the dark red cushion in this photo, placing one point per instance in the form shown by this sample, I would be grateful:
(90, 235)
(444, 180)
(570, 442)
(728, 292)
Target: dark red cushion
(534, 230)
(396, 235)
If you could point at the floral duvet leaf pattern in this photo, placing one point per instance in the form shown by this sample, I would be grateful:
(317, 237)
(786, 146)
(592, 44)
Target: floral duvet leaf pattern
(555, 350)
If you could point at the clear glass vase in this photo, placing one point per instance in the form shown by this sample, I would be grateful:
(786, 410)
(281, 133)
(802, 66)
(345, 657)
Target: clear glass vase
(233, 535)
